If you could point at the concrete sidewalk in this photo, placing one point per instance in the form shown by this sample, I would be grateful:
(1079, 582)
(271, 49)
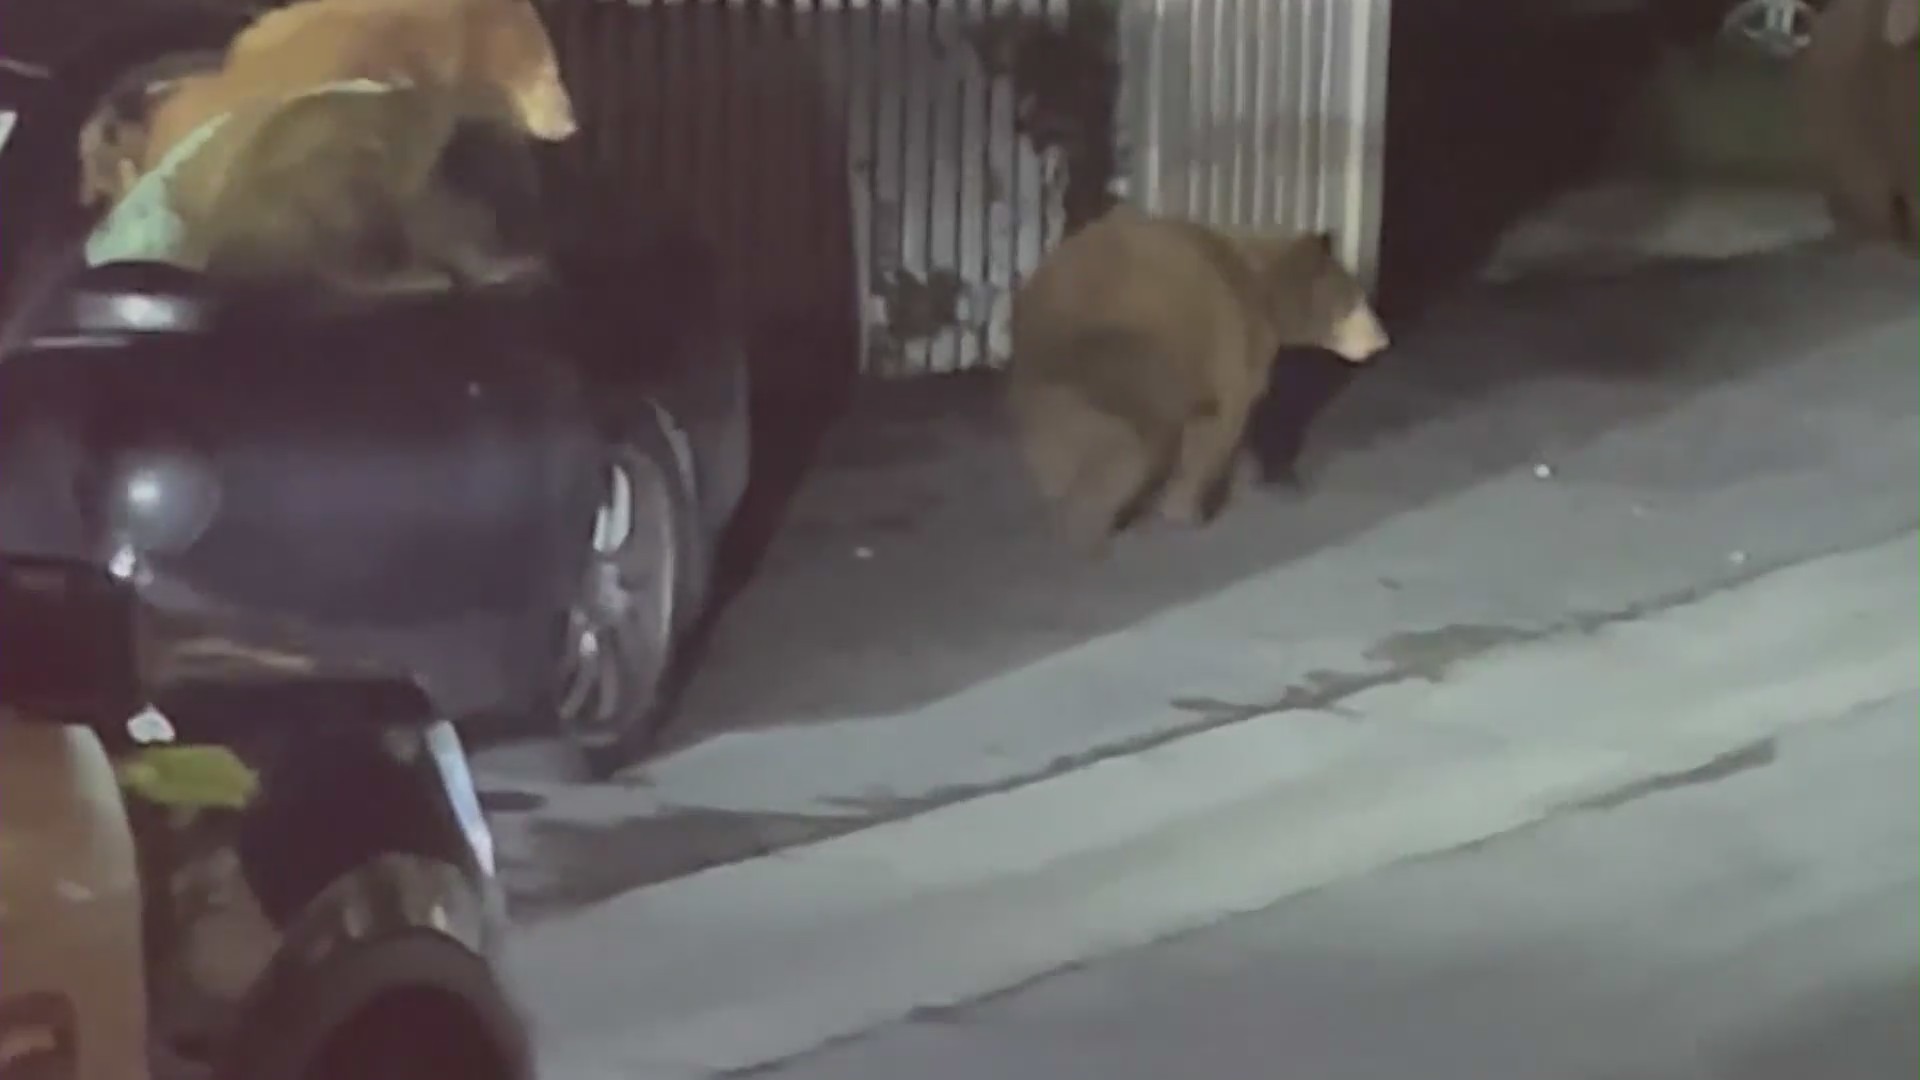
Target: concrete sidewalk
(757, 962)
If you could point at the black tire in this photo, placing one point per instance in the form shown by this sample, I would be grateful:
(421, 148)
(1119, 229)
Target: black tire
(614, 697)
(712, 405)
(410, 1007)
(652, 330)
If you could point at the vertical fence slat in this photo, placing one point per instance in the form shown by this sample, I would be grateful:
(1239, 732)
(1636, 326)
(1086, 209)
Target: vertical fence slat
(975, 190)
(915, 192)
(1003, 249)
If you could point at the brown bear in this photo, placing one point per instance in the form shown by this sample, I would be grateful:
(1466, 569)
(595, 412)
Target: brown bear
(1860, 86)
(465, 44)
(113, 142)
(346, 188)
(1142, 343)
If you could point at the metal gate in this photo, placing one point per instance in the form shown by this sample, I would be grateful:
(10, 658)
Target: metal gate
(1259, 113)
(899, 165)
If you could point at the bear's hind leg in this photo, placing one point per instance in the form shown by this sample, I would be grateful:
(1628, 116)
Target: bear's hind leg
(1202, 478)
(1113, 481)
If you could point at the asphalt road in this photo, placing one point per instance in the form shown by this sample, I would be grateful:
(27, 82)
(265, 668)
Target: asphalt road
(1757, 921)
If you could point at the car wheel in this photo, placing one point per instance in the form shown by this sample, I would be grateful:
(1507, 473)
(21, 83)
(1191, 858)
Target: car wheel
(400, 1008)
(621, 632)
(1778, 28)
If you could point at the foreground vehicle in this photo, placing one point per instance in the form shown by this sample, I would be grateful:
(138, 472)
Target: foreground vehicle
(299, 936)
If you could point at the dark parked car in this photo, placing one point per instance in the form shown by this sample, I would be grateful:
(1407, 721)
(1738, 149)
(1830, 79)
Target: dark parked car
(508, 496)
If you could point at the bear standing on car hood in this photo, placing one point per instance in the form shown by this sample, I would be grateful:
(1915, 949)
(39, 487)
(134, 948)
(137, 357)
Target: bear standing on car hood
(478, 47)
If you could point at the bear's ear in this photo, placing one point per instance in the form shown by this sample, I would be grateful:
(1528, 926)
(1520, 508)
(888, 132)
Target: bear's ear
(1902, 24)
(1326, 241)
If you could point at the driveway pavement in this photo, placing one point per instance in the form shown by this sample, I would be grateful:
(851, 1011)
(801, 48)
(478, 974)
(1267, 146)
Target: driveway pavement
(769, 959)
(1756, 921)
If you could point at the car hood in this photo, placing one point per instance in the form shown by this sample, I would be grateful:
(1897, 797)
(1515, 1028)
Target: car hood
(408, 495)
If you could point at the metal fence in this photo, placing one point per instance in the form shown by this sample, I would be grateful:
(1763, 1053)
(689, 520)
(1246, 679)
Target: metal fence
(1259, 112)
(903, 164)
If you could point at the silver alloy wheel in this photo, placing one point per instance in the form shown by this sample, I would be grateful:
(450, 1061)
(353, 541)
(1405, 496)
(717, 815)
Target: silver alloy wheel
(1779, 28)
(620, 628)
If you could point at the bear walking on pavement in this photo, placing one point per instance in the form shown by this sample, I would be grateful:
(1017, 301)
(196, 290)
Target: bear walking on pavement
(1141, 345)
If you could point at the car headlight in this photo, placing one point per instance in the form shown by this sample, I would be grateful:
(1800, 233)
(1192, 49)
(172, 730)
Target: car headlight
(160, 502)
